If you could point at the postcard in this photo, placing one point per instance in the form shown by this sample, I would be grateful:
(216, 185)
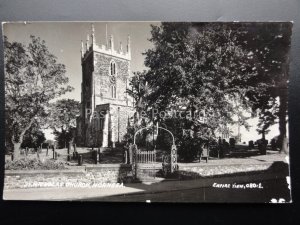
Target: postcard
(147, 111)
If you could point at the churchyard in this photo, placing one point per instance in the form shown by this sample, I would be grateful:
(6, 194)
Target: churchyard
(49, 168)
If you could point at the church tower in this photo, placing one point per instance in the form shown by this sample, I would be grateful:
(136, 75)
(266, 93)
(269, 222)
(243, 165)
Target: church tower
(105, 105)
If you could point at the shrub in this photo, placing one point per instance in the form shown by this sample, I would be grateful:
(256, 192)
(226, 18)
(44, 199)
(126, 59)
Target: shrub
(34, 164)
(189, 148)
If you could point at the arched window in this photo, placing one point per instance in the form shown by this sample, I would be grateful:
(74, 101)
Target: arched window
(113, 92)
(112, 68)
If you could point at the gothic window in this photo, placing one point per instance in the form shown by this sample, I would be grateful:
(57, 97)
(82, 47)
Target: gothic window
(113, 91)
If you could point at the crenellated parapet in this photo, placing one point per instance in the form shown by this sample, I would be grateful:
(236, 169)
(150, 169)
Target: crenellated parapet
(107, 48)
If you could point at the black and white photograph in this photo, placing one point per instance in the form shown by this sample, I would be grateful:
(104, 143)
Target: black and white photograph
(193, 112)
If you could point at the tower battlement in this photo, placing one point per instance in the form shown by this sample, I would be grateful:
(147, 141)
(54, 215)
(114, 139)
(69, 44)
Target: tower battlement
(107, 48)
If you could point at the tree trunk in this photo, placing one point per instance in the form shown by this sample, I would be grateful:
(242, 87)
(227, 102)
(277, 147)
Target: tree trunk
(17, 146)
(285, 147)
(282, 117)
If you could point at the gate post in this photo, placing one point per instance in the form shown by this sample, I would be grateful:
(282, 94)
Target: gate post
(133, 161)
(173, 162)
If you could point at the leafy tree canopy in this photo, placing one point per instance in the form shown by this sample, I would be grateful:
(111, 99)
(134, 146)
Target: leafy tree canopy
(33, 78)
(197, 67)
(62, 119)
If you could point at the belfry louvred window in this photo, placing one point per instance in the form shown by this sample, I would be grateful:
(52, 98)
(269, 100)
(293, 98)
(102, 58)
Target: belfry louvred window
(112, 68)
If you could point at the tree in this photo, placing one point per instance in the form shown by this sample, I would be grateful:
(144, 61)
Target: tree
(33, 78)
(33, 137)
(139, 92)
(62, 119)
(269, 45)
(197, 69)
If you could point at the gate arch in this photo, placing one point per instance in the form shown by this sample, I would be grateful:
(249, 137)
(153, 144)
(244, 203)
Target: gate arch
(169, 167)
(147, 128)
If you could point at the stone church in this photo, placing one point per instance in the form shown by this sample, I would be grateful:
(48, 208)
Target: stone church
(106, 108)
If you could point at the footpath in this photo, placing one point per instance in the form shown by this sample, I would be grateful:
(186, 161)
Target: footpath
(71, 193)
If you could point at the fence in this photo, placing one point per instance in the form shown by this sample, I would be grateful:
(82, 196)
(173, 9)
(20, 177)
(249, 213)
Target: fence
(145, 156)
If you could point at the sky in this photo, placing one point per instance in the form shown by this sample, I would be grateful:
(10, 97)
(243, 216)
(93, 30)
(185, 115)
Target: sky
(64, 41)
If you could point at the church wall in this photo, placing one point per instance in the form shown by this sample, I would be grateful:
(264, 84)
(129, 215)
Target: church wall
(86, 99)
(119, 121)
(103, 81)
(87, 87)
